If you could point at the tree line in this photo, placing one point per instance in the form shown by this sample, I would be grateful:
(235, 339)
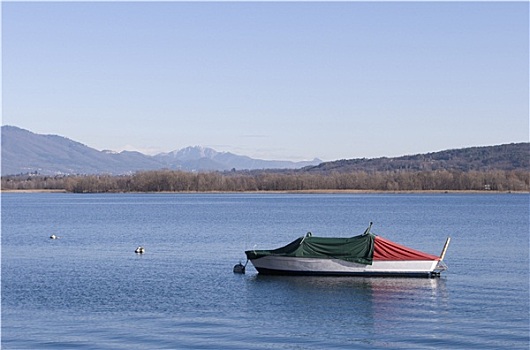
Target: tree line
(180, 181)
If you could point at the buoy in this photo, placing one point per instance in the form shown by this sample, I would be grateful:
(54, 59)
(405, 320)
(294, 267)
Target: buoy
(240, 268)
(140, 250)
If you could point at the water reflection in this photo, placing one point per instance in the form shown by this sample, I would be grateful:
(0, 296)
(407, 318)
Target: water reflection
(338, 305)
(376, 286)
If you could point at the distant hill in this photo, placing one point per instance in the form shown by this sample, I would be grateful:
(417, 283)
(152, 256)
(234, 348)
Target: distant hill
(514, 156)
(26, 152)
(201, 158)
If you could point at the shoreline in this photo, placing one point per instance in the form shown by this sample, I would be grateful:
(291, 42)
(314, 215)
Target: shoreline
(289, 192)
(33, 191)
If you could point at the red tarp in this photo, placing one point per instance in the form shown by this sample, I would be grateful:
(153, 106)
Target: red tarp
(388, 250)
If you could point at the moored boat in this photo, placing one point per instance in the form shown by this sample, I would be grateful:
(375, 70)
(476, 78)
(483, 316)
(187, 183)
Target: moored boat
(363, 255)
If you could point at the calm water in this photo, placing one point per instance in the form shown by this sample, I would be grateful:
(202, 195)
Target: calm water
(89, 290)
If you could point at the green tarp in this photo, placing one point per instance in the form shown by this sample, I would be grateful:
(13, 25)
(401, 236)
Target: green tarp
(359, 249)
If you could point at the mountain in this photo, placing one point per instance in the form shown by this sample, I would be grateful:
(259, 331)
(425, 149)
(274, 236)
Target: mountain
(26, 152)
(513, 156)
(201, 158)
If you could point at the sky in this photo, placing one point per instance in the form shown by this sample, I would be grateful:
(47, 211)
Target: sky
(270, 80)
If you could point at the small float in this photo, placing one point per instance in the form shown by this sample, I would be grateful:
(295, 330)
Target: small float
(240, 268)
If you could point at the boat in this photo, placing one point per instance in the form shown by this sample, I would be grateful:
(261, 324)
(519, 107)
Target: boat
(364, 255)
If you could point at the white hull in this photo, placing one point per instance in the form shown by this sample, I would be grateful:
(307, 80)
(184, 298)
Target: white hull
(315, 266)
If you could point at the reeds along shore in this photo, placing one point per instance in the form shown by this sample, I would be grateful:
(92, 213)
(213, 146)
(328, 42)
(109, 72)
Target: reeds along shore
(179, 181)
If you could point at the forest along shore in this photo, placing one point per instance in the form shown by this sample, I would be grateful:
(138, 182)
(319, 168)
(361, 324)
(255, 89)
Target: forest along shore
(356, 182)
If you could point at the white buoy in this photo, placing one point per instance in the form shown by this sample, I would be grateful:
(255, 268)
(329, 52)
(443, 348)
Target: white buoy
(140, 250)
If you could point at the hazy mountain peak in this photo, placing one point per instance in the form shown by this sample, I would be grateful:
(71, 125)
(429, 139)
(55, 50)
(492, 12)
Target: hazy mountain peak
(194, 153)
(27, 152)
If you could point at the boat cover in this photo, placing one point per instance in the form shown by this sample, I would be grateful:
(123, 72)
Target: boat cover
(388, 250)
(359, 249)
(362, 249)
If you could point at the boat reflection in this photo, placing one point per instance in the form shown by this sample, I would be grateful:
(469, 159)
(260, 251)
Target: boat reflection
(377, 285)
(374, 302)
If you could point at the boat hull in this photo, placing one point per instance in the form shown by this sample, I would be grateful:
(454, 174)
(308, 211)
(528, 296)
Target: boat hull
(279, 265)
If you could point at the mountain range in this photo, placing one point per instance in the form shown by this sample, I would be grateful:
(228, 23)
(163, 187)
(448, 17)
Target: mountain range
(26, 152)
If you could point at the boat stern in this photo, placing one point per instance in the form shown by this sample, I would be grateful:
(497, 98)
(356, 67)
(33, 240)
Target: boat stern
(439, 268)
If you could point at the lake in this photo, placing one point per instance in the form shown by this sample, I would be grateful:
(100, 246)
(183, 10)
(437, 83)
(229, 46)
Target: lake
(89, 290)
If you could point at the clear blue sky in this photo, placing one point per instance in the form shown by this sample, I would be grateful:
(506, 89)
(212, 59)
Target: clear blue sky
(271, 80)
